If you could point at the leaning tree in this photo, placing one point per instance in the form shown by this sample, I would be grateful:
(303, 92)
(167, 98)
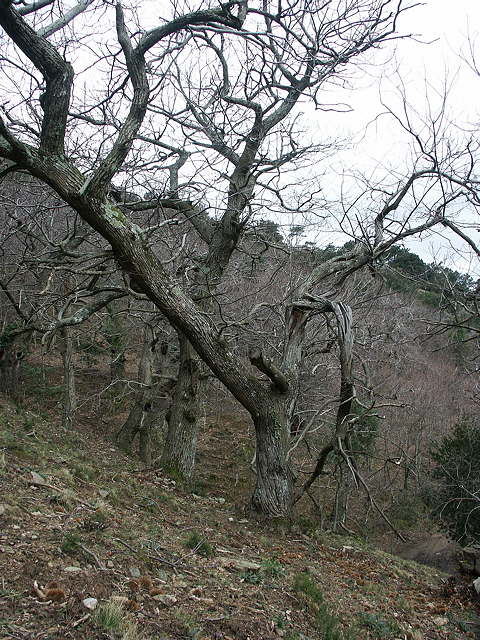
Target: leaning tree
(237, 125)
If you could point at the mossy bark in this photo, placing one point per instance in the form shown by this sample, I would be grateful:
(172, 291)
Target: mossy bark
(181, 441)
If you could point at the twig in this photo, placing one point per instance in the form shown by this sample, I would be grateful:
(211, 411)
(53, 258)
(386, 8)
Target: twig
(146, 470)
(125, 544)
(95, 557)
(80, 620)
(150, 555)
(58, 490)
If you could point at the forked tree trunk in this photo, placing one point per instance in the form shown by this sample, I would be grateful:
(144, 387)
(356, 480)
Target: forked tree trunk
(69, 387)
(181, 441)
(138, 422)
(132, 424)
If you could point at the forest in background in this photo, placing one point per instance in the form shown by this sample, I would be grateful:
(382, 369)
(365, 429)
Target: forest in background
(414, 363)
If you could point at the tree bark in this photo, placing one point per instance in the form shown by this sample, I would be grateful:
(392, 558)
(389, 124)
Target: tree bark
(273, 493)
(181, 442)
(137, 422)
(10, 361)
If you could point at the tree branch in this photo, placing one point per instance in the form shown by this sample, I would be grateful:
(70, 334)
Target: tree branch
(266, 366)
(34, 6)
(205, 17)
(58, 75)
(135, 60)
(56, 25)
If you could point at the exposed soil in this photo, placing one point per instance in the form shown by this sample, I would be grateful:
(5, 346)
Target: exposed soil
(435, 550)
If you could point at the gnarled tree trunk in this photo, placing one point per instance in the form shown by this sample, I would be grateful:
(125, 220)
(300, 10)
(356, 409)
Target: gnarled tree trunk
(273, 493)
(181, 442)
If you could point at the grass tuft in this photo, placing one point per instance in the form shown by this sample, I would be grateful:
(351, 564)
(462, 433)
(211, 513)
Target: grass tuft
(112, 618)
(198, 544)
(379, 627)
(70, 542)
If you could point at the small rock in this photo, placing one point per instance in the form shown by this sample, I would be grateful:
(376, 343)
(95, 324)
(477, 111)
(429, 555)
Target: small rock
(168, 600)
(476, 585)
(239, 565)
(73, 569)
(7, 549)
(3, 509)
(90, 603)
(36, 478)
(34, 537)
(135, 572)
(440, 621)
(110, 564)
(103, 493)
(221, 500)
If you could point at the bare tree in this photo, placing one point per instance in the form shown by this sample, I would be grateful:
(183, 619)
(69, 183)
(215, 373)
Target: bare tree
(295, 50)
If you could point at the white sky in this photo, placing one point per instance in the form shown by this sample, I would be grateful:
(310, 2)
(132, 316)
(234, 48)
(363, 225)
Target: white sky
(442, 30)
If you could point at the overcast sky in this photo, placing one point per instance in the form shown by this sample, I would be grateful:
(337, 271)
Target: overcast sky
(449, 26)
(442, 29)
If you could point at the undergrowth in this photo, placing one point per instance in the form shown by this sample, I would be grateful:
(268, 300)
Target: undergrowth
(326, 624)
(196, 542)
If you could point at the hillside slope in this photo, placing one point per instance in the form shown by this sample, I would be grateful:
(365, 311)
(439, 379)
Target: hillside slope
(166, 563)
